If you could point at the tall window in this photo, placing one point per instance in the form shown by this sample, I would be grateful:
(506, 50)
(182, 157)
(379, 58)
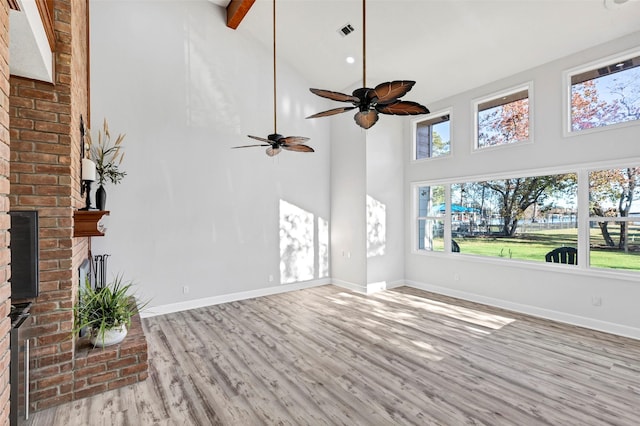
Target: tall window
(503, 119)
(433, 136)
(521, 218)
(614, 218)
(606, 95)
(431, 209)
(518, 218)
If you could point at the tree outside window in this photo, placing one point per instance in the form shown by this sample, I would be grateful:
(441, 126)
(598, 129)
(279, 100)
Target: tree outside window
(433, 137)
(503, 119)
(606, 95)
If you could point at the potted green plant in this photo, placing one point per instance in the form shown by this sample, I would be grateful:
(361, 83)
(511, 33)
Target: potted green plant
(108, 156)
(105, 312)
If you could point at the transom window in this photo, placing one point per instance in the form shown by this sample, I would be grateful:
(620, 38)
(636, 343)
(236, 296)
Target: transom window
(433, 136)
(503, 119)
(605, 95)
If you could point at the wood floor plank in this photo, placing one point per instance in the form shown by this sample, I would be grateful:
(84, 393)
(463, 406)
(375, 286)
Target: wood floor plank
(328, 356)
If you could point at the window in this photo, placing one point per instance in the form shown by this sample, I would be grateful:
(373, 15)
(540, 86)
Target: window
(614, 218)
(503, 119)
(518, 218)
(431, 207)
(605, 95)
(432, 136)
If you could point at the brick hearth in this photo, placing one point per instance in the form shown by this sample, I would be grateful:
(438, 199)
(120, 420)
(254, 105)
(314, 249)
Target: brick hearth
(97, 370)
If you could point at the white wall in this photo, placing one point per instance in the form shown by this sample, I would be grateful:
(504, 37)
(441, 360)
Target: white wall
(546, 290)
(348, 202)
(191, 211)
(385, 256)
(367, 214)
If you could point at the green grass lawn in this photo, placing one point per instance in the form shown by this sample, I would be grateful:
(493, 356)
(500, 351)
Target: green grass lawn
(534, 246)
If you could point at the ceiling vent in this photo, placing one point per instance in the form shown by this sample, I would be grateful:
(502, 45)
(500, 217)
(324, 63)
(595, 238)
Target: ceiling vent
(346, 30)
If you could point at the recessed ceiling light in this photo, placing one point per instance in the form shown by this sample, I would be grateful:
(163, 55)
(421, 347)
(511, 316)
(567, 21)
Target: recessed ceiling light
(350, 59)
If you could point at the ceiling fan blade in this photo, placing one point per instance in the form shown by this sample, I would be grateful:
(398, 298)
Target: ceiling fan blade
(293, 140)
(247, 146)
(260, 139)
(273, 151)
(336, 96)
(402, 108)
(366, 119)
(298, 148)
(331, 112)
(390, 91)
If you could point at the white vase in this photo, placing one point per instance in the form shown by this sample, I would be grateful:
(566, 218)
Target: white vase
(111, 337)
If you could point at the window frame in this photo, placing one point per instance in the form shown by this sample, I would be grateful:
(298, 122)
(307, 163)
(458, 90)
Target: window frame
(583, 68)
(422, 119)
(475, 103)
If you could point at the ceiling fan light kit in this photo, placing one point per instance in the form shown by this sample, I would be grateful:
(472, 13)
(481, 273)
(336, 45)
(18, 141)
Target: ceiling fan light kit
(275, 142)
(384, 98)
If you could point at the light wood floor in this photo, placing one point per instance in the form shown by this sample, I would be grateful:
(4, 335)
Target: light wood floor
(327, 356)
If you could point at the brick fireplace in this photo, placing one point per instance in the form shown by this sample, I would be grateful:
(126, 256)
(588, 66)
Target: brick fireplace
(43, 122)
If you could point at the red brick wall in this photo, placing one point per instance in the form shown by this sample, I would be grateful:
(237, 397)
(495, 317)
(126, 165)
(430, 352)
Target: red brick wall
(5, 288)
(45, 158)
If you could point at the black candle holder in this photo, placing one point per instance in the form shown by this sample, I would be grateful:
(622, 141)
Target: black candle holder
(86, 188)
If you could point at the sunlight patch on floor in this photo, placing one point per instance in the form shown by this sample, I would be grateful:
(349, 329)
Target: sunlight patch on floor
(460, 313)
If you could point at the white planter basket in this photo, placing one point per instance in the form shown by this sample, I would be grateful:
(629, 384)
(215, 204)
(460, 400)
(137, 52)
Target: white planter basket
(111, 337)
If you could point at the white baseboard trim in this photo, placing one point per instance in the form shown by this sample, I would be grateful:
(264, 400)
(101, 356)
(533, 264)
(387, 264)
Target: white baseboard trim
(607, 327)
(358, 288)
(370, 288)
(232, 297)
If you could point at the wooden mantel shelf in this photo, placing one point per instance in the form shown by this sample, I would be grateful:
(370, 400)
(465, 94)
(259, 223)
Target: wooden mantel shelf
(86, 223)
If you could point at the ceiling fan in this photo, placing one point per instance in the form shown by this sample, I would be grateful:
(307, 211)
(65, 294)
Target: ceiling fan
(384, 98)
(275, 141)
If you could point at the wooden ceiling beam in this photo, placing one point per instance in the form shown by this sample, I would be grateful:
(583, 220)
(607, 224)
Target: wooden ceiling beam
(236, 11)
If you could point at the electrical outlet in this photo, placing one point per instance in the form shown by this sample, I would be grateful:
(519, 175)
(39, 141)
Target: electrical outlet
(596, 300)
(185, 289)
(456, 277)
(270, 278)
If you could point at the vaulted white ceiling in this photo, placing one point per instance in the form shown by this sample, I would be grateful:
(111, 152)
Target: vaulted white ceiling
(447, 46)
